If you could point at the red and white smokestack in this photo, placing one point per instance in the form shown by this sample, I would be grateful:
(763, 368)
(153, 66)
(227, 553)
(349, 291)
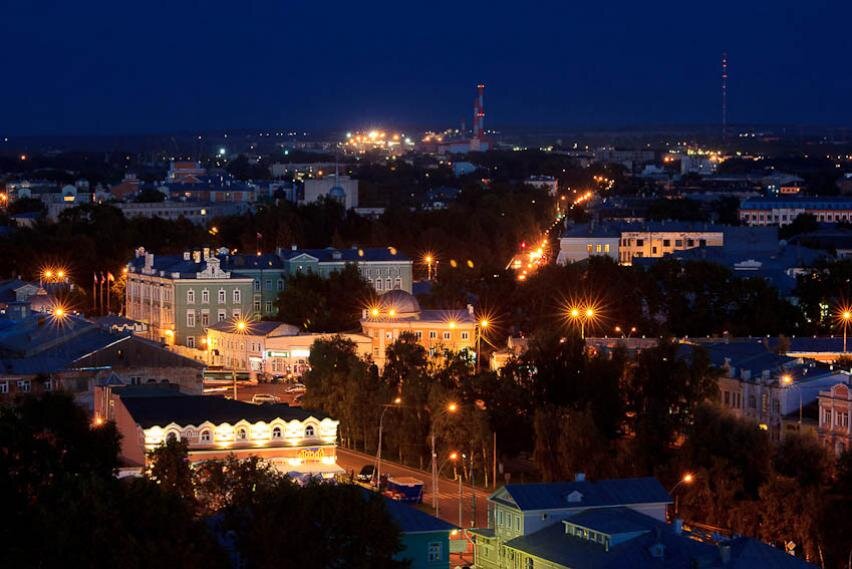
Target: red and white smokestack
(479, 112)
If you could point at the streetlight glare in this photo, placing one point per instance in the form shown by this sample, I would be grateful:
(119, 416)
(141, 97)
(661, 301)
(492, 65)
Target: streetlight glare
(688, 478)
(786, 379)
(454, 456)
(590, 312)
(484, 323)
(59, 312)
(452, 407)
(397, 401)
(575, 313)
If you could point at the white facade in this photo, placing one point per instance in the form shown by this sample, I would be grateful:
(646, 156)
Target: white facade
(341, 188)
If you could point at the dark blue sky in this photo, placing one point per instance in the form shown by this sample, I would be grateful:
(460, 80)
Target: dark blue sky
(94, 66)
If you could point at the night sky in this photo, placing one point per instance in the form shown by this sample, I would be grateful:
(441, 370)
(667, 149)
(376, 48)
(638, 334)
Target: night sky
(91, 66)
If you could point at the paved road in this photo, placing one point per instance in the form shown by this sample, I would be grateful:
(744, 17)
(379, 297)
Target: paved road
(448, 489)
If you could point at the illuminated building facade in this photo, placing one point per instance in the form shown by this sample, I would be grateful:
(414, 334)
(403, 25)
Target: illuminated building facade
(178, 297)
(835, 410)
(436, 330)
(291, 439)
(268, 348)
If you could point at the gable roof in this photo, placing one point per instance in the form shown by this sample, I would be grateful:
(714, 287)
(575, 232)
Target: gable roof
(153, 411)
(412, 520)
(553, 495)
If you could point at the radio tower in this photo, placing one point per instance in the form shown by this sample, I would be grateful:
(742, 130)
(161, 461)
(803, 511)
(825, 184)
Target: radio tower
(724, 96)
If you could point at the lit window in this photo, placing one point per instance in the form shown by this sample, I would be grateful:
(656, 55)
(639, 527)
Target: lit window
(190, 319)
(221, 296)
(205, 296)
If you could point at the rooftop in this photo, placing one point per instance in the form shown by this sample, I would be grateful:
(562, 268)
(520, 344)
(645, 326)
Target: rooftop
(152, 410)
(583, 494)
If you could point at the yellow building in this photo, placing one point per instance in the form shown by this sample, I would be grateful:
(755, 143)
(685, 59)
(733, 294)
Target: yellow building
(270, 349)
(436, 330)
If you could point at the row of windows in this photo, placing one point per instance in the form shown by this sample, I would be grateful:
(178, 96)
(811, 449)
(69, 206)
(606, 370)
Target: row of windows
(388, 284)
(268, 285)
(267, 306)
(433, 334)
(236, 296)
(841, 418)
(597, 248)
(241, 434)
(666, 242)
(221, 316)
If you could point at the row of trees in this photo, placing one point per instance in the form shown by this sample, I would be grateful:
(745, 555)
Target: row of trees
(64, 507)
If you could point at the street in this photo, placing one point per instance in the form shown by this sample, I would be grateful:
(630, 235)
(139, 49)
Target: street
(448, 490)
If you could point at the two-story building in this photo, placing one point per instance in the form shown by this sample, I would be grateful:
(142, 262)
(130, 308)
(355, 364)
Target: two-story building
(518, 510)
(625, 242)
(437, 331)
(385, 268)
(179, 297)
(291, 439)
(835, 410)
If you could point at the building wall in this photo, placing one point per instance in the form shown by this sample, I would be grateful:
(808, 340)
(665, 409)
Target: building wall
(132, 439)
(655, 244)
(782, 214)
(835, 418)
(448, 335)
(382, 275)
(573, 249)
(316, 188)
(416, 549)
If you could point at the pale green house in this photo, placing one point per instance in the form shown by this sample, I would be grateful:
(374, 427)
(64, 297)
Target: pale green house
(179, 296)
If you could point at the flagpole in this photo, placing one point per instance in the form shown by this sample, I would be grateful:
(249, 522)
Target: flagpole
(107, 293)
(94, 292)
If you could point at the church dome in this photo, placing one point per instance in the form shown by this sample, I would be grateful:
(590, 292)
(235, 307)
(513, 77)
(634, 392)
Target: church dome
(401, 302)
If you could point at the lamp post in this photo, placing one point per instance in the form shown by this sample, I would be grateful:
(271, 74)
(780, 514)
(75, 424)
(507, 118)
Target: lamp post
(240, 326)
(386, 406)
(450, 408)
(845, 316)
(483, 324)
(787, 380)
(687, 478)
(583, 316)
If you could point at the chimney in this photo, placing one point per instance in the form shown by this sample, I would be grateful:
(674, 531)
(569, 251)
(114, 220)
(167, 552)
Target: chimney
(196, 256)
(206, 253)
(294, 247)
(580, 477)
(470, 309)
(186, 255)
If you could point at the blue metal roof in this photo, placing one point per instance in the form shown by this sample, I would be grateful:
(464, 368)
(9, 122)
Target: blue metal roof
(412, 520)
(352, 255)
(615, 492)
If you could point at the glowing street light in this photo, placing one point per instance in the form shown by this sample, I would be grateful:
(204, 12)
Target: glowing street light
(483, 324)
(786, 380)
(584, 316)
(451, 407)
(845, 316)
(687, 478)
(378, 473)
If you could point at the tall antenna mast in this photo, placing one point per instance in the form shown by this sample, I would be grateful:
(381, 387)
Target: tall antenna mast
(724, 96)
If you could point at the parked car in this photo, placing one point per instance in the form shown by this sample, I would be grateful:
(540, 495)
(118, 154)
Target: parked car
(367, 473)
(261, 398)
(295, 388)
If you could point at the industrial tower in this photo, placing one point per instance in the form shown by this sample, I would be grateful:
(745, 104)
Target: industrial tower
(479, 112)
(724, 96)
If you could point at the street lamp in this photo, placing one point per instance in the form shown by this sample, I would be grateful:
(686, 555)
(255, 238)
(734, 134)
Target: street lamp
(450, 408)
(386, 406)
(845, 316)
(483, 324)
(428, 259)
(583, 316)
(687, 478)
(241, 327)
(787, 380)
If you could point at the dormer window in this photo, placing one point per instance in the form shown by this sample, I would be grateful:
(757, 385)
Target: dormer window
(309, 431)
(574, 497)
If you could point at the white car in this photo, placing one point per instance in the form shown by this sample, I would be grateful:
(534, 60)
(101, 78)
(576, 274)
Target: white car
(261, 398)
(296, 388)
